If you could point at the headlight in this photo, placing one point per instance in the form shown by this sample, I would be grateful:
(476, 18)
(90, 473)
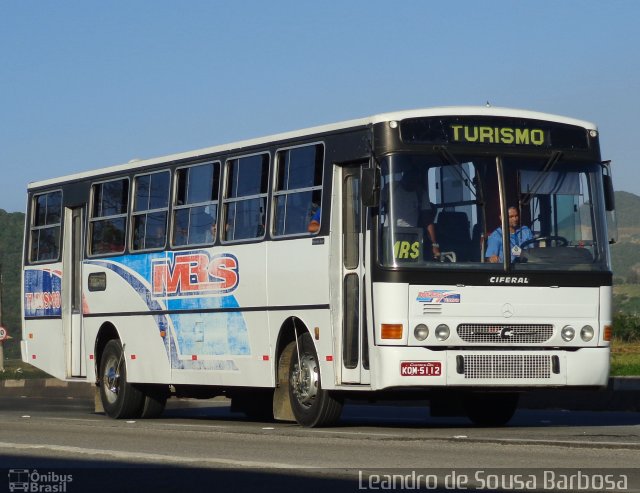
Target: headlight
(568, 333)
(587, 333)
(442, 332)
(421, 332)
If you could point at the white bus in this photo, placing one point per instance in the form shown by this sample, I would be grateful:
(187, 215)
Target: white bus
(356, 260)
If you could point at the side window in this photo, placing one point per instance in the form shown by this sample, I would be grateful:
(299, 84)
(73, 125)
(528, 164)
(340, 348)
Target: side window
(298, 190)
(108, 218)
(245, 201)
(150, 209)
(195, 208)
(45, 227)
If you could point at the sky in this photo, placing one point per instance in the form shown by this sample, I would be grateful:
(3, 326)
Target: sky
(87, 84)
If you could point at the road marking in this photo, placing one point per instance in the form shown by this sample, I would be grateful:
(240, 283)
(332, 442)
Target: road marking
(156, 458)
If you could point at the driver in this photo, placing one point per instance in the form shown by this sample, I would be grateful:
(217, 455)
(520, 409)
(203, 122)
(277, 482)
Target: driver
(518, 236)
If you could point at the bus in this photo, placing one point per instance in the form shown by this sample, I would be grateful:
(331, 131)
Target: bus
(357, 260)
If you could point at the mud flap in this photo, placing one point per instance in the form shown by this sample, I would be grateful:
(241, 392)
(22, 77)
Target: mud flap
(281, 404)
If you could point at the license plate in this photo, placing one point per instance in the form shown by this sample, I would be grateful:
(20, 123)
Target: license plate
(420, 368)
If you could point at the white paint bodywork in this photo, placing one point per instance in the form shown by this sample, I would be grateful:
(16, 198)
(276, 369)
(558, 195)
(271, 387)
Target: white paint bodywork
(298, 277)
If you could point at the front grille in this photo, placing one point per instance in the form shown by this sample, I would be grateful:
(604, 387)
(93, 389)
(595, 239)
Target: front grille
(505, 333)
(507, 366)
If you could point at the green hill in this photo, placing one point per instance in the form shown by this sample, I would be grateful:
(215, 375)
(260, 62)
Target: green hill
(627, 208)
(11, 230)
(625, 254)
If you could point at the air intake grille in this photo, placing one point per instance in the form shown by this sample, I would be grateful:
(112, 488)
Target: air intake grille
(507, 366)
(505, 334)
(431, 309)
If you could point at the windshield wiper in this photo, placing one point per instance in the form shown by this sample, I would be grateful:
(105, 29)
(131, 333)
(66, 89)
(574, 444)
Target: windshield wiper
(553, 160)
(462, 173)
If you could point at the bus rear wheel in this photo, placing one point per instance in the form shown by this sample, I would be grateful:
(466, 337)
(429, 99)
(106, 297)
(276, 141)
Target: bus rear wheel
(490, 409)
(155, 400)
(311, 405)
(120, 399)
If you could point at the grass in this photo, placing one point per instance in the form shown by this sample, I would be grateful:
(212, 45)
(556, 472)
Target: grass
(626, 298)
(627, 290)
(625, 359)
(15, 369)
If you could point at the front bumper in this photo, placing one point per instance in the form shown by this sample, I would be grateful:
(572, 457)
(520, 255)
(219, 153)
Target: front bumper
(473, 367)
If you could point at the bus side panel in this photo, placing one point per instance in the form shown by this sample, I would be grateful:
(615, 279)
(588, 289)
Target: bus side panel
(43, 346)
(227, 349)
(219, 323)
(298, 286)
(187, 317)
(146, 347)
(145, 355)
(298, 272)
(43, 339)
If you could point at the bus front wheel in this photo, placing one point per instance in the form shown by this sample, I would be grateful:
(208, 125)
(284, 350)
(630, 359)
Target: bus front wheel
(120, 399)
(311, 405)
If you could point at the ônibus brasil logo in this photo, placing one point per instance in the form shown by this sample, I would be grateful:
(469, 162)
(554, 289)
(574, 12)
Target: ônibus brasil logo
(34, 481)
(194, 273)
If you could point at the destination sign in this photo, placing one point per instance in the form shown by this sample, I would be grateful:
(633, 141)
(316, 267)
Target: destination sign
(498, 135)
(496, 131)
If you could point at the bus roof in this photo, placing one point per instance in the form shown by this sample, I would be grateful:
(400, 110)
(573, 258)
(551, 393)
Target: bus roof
(379, 118)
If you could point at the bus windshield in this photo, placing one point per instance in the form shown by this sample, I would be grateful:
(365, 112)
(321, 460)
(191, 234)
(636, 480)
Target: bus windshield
(444, 211)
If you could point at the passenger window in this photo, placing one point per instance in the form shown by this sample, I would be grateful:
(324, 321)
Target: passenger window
(245, 201)
(195, 208)
(108, 219)
(298, 193)
(150, 209)
(45, 227)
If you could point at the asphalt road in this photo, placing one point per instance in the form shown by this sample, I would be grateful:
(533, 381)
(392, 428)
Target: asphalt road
(200, 444)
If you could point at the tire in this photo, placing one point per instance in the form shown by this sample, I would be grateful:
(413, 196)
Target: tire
(120, 399)
(155, 400)
(491, 409)
(312, 406)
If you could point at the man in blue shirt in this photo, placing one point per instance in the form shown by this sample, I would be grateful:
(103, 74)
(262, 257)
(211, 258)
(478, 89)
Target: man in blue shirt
(517, 236)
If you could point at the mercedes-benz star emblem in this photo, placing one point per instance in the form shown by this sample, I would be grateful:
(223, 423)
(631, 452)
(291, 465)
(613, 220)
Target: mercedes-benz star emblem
(507, 310)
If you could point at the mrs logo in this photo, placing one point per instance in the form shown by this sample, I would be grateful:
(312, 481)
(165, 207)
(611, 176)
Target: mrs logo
(438, 296)
(194, 274)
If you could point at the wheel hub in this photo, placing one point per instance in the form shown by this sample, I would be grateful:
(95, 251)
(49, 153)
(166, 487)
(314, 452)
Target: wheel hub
(111, 381)
(305, 380)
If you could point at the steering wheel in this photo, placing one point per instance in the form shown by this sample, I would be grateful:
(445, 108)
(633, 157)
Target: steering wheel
(561, 241)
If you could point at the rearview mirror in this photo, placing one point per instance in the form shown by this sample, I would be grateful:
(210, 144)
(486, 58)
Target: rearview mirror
(370, 187)
(609, 194)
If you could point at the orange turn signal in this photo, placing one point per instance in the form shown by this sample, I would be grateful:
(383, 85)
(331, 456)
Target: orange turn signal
(608, 332)
(392, 331)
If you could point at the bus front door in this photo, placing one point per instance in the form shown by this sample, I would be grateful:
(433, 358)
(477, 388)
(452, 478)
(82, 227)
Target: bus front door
(354, 353)
(72, 292)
